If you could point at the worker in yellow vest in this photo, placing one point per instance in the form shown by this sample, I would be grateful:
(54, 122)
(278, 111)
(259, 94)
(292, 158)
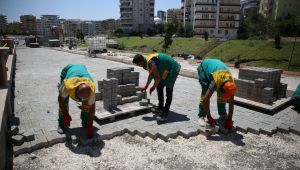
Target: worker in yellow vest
(214, 75)
(164, 70)
(77, 83)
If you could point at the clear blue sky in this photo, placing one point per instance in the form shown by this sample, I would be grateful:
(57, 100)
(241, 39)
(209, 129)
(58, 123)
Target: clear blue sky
(72, 9)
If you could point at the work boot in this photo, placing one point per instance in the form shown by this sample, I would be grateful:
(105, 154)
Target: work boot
(202, 121)
(162, 117)
(60, 129)
(157, 110)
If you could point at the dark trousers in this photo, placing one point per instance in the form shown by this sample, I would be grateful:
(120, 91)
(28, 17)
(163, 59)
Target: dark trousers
(160, 94)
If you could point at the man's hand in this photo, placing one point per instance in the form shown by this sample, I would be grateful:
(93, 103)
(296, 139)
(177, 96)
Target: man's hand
(67, 120)
(145, 88)
(228, 123)
(152, 89)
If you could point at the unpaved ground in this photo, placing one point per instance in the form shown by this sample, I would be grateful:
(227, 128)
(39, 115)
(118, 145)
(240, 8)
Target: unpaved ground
(235, 151)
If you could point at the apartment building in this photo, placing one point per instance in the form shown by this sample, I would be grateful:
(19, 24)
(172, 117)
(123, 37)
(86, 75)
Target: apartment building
(28, 24)
(45, 24)
(279, 9)
(175, 15)
(3, 23)
(219, 18)
(136, 15)
(162, 15)
(186, 10)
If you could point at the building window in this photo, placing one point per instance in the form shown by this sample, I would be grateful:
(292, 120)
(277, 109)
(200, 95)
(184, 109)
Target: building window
(212, 31)
(219, 31)
(226, 32)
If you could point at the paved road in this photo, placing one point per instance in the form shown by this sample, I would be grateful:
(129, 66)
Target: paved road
(37, 75)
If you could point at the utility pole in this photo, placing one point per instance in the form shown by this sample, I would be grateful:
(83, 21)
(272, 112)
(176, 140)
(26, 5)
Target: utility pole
(290, 60)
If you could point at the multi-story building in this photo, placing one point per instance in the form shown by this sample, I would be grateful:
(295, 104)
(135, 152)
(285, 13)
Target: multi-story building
(175, 15)
(45, 24)
(28, 24)
(15, 28)
(249, 7)
(279, 9)
(88, 28)
(219, 18)
(136, 15)
(186, 10)
(3, 23)
(162, 15)
(70, 26)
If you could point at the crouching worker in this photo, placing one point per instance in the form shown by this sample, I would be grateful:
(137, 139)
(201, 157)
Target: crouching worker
(164, 70)
(214, 75)
(76, 82)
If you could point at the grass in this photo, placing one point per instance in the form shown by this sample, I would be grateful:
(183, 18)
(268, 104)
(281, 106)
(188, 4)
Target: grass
(149, 44)
(260, 53)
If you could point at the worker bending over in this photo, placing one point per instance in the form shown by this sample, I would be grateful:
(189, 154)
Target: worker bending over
(214, 75)
(76, 82)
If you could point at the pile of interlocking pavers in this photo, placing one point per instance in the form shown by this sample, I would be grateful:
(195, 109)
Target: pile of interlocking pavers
(120, 87)
(260, 84)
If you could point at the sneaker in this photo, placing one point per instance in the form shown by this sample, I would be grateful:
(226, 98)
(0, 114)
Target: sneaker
(202, 121)
(60, 129)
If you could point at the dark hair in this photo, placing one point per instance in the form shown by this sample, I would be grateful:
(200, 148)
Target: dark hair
(137, 58)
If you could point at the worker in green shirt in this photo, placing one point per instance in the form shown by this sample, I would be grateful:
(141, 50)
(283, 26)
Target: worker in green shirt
(214, 75)
(164, 70)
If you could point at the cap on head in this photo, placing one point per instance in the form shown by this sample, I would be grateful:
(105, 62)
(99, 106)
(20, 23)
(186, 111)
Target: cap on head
(229, 90)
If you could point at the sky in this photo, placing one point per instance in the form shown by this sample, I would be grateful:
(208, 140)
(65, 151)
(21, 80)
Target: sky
(72, 9)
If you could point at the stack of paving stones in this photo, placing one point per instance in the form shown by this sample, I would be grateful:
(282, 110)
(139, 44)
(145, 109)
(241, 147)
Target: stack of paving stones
(260, 84)
(120, 87)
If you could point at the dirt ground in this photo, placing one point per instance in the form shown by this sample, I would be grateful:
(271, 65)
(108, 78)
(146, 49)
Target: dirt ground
(233, 151)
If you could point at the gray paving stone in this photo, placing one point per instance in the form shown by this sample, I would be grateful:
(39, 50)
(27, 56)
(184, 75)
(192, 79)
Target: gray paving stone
(268, 130)
(254, 129)
(39, 142)
(18, 140)
(295, 129)
(283, 128)
(14, 130)
(25, 148)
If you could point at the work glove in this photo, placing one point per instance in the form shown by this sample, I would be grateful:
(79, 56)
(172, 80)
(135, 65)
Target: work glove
(152, 89)
(89, 131)
(211, 121)
(145, 89)
(228, 123)
(67, 120)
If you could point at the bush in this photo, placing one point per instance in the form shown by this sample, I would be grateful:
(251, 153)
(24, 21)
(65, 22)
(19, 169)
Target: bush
(206, 36)
(277, 41)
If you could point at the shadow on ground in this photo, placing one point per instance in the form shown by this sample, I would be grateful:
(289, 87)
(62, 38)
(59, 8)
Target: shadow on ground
(81, 144)
(232, 137)
(173, 117)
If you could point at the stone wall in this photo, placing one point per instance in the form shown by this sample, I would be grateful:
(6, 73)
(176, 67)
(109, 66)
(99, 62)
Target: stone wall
(7, 70)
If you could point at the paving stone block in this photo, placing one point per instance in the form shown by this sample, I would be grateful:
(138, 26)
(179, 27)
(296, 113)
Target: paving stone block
(39, 142)
(54, 137)
(29, 135)
(144, 102)
(268, 130)
(166, 133)
(14, 130)
(283, 128)
(254, 129)
(25, 148)
(18, 140)
(295, 129)
(187, 132)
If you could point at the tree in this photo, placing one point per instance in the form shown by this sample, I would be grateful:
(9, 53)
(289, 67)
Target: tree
(79, 34)
(206, 36)
(277, 41)
(168, 37)
(118, 32)
(151, 31)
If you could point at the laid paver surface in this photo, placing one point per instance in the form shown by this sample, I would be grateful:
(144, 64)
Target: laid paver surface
(37, 75)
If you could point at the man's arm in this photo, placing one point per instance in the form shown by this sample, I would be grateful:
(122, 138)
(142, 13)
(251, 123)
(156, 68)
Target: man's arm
(148, 83)
(62, 105)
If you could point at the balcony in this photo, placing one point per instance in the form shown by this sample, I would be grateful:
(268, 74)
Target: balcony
(205, 26)
(229, 12)
(205, 3)
(229, 4)
(205, 11)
